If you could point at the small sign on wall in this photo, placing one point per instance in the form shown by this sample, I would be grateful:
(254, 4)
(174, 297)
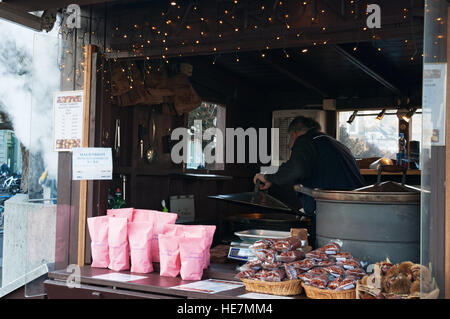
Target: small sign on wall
(183, 205)
(92, 163)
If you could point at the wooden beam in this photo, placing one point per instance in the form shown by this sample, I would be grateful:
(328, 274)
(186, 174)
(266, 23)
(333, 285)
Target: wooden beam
(294, 77)
(20, 16)
(372, 73)
(88, 50)
(33, 5)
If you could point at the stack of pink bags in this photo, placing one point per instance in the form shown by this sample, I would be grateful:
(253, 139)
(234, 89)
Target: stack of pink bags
(147, 236)
(185, 250)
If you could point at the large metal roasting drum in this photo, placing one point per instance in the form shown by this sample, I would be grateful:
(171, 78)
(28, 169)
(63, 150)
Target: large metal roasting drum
(374, 222)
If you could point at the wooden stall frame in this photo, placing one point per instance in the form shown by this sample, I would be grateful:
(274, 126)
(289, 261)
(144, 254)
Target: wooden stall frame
(447, 171)
(88, 50)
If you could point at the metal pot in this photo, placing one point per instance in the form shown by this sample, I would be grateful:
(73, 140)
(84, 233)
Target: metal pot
(373, 222)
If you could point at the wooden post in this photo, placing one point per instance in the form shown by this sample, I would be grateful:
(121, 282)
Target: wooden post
(88, 50)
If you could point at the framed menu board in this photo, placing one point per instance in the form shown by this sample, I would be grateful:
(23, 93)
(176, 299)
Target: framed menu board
(67, 120)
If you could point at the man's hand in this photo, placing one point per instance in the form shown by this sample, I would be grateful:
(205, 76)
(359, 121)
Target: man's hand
(265, 184)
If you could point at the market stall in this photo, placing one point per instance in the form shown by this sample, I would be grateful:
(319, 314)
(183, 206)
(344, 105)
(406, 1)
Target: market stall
(148, 68)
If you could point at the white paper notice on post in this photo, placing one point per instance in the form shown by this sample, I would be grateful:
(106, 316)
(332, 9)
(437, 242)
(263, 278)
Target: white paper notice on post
(92, 163)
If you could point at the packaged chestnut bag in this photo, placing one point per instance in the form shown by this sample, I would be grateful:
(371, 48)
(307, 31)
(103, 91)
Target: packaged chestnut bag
(206, 232)
(192, 256)
(159, 219)
(121, 213)
(169, 255)
(98, 231)
(140, 239)
(119, 250)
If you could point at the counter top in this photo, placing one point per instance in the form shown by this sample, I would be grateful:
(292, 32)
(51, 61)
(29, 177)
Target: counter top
(153, 283)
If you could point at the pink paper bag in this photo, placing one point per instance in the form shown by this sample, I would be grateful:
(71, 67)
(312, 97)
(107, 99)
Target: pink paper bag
(122, 213)
(170, 263)
(193, 230)
(119, 251)
(192, 257)
(144, 215)
(98, 231)
(210, 230)
(161, 219)
(140, 239)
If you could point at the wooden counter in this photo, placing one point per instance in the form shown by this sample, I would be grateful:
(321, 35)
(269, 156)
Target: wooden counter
(153, 286)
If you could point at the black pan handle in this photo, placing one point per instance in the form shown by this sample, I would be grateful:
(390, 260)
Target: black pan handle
(257, 185)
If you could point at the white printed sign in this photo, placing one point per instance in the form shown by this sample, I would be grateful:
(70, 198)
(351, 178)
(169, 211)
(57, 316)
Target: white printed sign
(92, 163)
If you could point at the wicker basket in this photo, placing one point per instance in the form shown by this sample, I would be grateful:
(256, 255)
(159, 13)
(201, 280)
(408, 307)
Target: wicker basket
(282, 288)
(317, 293)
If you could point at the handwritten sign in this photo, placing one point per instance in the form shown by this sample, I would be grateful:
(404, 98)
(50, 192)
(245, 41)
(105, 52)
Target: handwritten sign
(92, 163)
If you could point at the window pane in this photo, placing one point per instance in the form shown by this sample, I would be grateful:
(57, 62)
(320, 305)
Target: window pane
(204, 117)
(368, 137)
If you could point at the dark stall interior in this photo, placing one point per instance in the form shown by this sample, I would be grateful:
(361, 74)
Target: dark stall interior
(250, 78)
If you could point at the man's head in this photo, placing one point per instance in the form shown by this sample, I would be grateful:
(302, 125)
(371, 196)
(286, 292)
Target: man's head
(300, 126)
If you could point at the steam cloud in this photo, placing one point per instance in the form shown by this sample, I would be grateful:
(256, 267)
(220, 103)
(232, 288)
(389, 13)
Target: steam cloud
(29, 74)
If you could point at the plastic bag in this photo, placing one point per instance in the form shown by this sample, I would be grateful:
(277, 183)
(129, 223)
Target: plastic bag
(290, 256)
(306, 277)
(271, 265)
(335, 283)
(317, 255)
(292, 271)
(352, 263)
(320, 281)
(318, 271)
(262, 244)
(265, 255)
(98, 231)
(251, 265)
(347, 283)
(357, 272)
(305, 264)
(121, 213)
(335, 271)
(248, 274)
(273, 275)
(119, 250)
(140, 238)
(332, 248)
(290, 243)
(192, 256)
(169, 255)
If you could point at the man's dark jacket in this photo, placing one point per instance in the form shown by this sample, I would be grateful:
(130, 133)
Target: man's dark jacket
(318, 161)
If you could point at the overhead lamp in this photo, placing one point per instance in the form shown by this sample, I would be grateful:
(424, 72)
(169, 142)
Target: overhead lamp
(352, 117)
(407, 117)
(381, 115)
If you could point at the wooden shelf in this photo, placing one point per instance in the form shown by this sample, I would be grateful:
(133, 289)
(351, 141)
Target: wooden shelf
(366, 171)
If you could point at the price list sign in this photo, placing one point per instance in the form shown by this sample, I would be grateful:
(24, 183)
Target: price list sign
(67, 120)
(92, 163)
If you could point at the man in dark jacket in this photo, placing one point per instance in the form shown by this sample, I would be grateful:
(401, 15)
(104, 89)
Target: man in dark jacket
(317, 161)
